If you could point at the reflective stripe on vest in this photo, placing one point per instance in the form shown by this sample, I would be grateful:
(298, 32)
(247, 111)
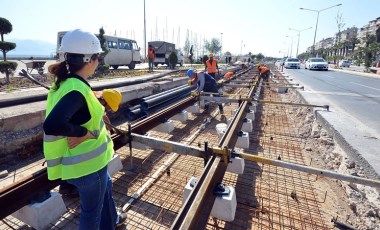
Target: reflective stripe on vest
(52, 138)
(87, 157)
(211, 68)
(80, 158)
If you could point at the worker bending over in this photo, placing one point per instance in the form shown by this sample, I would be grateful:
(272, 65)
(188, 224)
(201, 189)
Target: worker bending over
(212, 66)
(264, 72)
(205, 83)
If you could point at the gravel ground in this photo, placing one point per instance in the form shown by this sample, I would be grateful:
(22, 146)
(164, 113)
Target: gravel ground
(355, 205)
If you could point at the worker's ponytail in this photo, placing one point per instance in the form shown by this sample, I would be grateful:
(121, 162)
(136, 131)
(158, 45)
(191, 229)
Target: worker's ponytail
(62, 70)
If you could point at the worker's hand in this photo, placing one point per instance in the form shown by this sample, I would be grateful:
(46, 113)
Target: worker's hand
(74, 141)
(195, 93)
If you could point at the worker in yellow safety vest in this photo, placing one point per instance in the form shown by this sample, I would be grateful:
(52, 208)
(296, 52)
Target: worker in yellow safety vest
(212, 66)
(77, 146)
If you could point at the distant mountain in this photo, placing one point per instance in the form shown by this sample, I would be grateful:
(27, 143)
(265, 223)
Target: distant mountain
(32, 48)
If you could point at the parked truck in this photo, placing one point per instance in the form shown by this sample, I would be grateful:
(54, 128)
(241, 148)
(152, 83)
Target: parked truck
(163, 50)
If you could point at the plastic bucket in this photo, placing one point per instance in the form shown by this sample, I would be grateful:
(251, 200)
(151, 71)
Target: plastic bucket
(221, 128)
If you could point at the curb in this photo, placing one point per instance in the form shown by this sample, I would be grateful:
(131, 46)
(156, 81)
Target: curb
(371, 75)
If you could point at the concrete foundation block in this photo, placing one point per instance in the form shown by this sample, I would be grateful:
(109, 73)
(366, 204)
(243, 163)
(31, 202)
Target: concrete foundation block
(247, 125)
(225, 206)
(243, 140)
(193, 109)
(282, 89)
(166, 127)
(188, 188)
(253, 107)
(40, 215)
(182, 116)
(250, 115)
(115, 165)
(236, 165)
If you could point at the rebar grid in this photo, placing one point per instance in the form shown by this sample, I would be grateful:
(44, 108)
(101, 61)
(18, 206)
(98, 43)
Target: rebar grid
(268, 197)
(271, 197)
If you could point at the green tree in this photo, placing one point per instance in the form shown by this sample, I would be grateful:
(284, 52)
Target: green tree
(6, 67)
(370, 49)
(173, 60)
(260, 56)
(213, 46)
(186, 47)
(102, 68)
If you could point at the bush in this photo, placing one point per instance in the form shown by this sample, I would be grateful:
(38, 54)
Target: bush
(204, 59)
(7, 66)
(173, 60)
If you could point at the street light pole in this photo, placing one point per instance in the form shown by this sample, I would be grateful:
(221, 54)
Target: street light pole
(144, 33)
(291, 47)
(299, 34)
(316, 25)
(241, 48)
(221, 44)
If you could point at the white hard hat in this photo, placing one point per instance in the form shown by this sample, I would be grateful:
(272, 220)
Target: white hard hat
(80, 42)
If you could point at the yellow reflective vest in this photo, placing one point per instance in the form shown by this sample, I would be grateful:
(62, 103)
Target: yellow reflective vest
(89, 156)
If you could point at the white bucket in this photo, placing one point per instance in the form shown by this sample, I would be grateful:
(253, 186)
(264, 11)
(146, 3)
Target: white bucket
(221, 129)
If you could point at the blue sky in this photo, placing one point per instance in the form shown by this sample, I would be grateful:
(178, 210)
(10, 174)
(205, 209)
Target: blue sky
(247, 25)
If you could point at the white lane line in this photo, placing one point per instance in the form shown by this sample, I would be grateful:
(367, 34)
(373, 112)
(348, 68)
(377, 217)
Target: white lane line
(364, 86)
(341, 94)
(328, 76)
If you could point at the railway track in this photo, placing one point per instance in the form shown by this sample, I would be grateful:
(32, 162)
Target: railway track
(268, 197)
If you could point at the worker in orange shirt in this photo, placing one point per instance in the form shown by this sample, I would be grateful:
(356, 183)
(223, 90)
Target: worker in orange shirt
(212, 66)
(228, 75)
(151, 57)
(264, 72)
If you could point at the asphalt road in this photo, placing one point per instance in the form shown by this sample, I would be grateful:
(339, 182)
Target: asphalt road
(355, 108)
(357, 95)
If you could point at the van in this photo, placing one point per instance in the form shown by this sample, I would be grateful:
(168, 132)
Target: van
(122, 51)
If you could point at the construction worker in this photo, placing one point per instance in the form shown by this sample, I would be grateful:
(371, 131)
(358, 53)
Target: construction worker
(77, 146)
(151, 57)
(205, 83)
(264, 72)
(228, 75)
(212, 66)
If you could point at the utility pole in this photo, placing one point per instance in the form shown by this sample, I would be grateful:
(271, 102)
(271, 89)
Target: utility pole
(144, 32)
(221, 44)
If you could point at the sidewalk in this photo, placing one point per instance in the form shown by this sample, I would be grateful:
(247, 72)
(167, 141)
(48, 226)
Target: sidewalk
(356, 70)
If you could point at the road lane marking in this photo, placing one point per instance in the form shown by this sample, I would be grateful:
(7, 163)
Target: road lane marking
(342, 94)
(364, 86)
(328, 76)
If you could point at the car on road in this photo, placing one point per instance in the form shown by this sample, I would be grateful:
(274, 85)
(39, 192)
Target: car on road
(316, 64)
(292, 63)
(344, 63)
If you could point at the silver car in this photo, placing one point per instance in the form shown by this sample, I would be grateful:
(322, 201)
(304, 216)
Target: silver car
(316, 64)
(292, 63)
(344, 63)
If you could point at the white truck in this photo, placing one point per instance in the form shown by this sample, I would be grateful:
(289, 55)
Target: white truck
(163, 50)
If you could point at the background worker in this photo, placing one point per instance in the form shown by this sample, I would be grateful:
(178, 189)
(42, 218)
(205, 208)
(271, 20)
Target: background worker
(151, 57)
(264, 72)
(212, 66)
(77, 146)
(205, 83)
(228, 75)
